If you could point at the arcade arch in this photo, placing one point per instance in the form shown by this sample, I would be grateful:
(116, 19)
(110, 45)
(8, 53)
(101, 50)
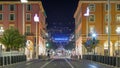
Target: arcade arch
(106, 48)
(117, 48)
(29, 49)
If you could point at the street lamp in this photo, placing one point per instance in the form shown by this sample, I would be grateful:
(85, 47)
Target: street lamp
(108, 27)
(23, 13)
(94, 39)
(87, 15)
(1, 30)
(94, 35)
(36, 19)
(118, 32)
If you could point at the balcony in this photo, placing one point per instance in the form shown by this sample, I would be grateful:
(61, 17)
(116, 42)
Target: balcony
(29, 34)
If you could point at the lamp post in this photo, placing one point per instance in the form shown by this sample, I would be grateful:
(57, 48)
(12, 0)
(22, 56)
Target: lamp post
(108, 27)
(36, 19)
(23, 14)
(118, 32)
(87, 16)
(94, 38)
(1, 33)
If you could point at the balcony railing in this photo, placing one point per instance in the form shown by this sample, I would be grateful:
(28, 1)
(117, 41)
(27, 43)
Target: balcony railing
(29, 34)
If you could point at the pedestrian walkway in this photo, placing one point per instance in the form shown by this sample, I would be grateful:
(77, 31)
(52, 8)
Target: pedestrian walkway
(93, 64)
(59, 63)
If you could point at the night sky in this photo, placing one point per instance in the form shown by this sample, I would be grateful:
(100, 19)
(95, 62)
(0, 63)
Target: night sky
(60, 14)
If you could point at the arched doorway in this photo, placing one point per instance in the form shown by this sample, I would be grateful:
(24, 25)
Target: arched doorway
(106, 48)
(29, 49)
(117, 48)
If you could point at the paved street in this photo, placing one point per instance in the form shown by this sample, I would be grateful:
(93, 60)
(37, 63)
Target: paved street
(58, 63)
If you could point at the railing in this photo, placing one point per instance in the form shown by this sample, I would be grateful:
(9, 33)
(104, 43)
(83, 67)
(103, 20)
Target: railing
(12, 53)
(29, 34)
(7, 58)
(109, 60)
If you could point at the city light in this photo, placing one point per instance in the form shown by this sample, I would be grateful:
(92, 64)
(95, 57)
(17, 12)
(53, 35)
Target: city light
(118, 30)
(36, 19)
(94, 35)
(87, 12)
(61, 39)
(23, 1)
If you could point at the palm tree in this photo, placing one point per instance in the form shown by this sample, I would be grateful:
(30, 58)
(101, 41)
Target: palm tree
(12, 39)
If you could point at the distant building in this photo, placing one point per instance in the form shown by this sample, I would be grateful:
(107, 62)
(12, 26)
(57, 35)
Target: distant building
(98, 23)
(11, 16)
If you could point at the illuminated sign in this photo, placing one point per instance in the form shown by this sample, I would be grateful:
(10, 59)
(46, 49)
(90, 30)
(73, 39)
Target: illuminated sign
(61, 39)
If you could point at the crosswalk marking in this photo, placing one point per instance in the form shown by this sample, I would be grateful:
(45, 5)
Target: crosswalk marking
(46, 64)
(69, 63)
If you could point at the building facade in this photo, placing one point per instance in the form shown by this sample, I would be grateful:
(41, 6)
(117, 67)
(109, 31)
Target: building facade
(97, 22)
(14, 14)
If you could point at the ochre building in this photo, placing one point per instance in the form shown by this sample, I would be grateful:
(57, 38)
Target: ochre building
(97, 22)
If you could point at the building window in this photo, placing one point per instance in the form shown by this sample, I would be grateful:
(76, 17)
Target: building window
(92, 7)
(28, 29)
(118, 18)
(29, 7)
(117, 28)
(12, 17)
(12, 7)
(118, 7)
(91, 29)
(1, 16)
(106, 18)
(92, 18)
(28, 16)
(106, 7)
(1, 7)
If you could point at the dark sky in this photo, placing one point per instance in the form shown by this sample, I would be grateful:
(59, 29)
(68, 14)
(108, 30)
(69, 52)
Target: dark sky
(60, 13)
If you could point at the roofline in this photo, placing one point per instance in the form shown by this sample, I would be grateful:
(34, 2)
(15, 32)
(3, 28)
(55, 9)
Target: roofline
(77, 10)
(29, 2)
(92, 1)
(17, 2)
(98, 1)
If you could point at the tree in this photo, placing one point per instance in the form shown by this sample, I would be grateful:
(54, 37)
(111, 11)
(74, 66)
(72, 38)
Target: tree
(90, 44)
(12, 39)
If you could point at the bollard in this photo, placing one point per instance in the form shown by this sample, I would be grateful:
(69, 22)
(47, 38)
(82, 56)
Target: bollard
(5, 63)
(110, 60)
(118, 61)
(20, 58)
(12, 59)
(102, 59)
(17, 59)
(8, 59)
(1, 61)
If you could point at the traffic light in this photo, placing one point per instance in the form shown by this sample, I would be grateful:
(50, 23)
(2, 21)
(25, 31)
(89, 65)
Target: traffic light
(47, 44)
